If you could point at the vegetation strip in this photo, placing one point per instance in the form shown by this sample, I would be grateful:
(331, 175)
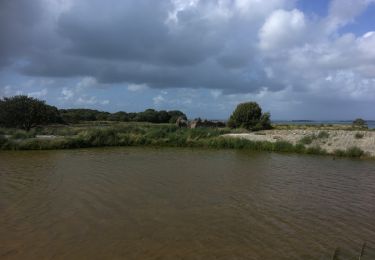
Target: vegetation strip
(139, 134)
(27, 126)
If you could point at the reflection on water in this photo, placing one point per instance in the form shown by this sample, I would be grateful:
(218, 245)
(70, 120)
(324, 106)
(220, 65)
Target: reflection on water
(130, 203)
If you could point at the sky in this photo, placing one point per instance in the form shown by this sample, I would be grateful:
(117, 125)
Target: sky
(299, 59)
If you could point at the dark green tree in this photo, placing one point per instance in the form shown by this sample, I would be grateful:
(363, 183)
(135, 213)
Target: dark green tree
(149, 115)
(53, 115)
(26, 112)
(249, 115)
(174, 115)
(360, 123)
(119, 116)
(163, 116)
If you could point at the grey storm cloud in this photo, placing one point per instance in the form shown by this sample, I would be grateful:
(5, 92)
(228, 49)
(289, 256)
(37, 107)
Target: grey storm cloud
(237, 46)
(17, 19)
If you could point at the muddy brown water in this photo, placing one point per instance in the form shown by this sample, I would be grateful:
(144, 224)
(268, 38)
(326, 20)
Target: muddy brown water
(136, 203)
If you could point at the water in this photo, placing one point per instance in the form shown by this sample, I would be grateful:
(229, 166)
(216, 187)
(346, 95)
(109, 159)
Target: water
(132, 203)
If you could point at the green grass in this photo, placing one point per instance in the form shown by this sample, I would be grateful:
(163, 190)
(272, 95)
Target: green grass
(21, 134)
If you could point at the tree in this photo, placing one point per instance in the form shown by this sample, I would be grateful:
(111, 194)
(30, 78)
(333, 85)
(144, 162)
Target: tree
(149, 115)
(264, 122)
(53, 115)
(163, 116)
(249, 115)
(175, 114)
(359, 122)
(26, 112)
(119, 116)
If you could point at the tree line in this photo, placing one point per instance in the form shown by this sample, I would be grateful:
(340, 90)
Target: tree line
(27, 112)
(149, 115)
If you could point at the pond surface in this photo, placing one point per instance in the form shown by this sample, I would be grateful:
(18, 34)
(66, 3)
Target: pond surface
(133, 203)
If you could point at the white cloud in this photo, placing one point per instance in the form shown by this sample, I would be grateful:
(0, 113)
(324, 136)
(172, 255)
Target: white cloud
(85, 100)
(38, 94)
(7, 90)
(282, 29)
(258, 8)
(216, 93)
(67, 93)
(86, 82)
(247, 48)
(342, 12)
(137, 87)
(366, 44)
(158, 100)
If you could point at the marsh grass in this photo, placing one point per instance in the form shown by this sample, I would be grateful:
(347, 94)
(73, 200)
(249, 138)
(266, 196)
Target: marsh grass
(21, 134)
(354, 152)
(3, 140)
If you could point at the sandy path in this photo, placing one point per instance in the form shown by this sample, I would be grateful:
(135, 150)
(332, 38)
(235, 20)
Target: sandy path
(338, 139)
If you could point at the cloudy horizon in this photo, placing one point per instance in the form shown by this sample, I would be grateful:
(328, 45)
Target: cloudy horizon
(298, 59)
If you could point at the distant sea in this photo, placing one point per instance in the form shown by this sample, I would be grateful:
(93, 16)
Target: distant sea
(370, 123)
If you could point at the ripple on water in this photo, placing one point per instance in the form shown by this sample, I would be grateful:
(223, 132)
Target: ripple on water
(182, 203)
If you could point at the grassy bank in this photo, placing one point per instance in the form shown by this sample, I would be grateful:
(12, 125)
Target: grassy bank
(101, 134)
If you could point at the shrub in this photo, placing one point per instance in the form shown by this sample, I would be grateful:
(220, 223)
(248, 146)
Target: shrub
(358, 135)
(307, 139)
(249, 116)
(359, 123)
(323, 134)
(354, 152)
(300, 148)
(315, 150)
(350, 152)
(339, 152)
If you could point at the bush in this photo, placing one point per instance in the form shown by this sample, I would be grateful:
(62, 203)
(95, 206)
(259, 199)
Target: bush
(323, 134)
(358, 135)
(249, 116)
(300, 148)
(359, 123)
(307, 139)
(354, 152)
(315, 150)
(350, 152)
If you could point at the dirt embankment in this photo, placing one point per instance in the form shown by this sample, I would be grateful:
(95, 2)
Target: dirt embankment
(329, 140)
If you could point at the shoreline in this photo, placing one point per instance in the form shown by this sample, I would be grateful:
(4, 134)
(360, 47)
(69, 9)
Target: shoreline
(320, 141)
(332, 141)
